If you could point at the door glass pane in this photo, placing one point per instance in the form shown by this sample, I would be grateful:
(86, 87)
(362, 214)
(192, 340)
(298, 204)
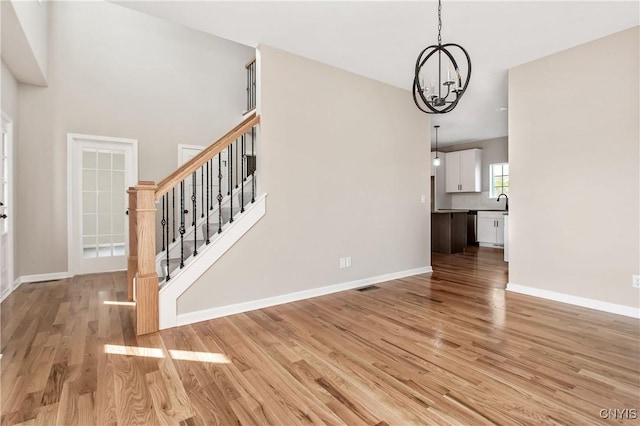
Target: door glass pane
(89, 246)
(89, 202)
(104, 160)
(118, 224)
(88, 159)
(118, 161)
(4, 196)
(103, 203)
(89, 180)
(104, 180)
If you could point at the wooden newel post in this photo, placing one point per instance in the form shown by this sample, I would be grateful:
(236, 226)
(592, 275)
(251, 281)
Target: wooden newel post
(146, 289)
(132, 261)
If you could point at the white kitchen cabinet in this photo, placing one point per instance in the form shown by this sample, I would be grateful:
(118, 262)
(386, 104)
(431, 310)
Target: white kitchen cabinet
(491, 229)
(463, 171)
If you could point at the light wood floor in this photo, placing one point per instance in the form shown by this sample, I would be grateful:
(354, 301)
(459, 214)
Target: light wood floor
(444, 348)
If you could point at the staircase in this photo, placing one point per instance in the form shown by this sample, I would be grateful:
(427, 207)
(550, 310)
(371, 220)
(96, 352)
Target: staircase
(180, 226)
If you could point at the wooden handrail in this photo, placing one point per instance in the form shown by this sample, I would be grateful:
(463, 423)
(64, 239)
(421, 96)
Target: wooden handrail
(248, 64)
(205, 155)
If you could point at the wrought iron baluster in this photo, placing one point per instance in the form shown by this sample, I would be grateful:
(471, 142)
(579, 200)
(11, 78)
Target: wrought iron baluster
(168, 276)
(255, 166)
(202, 191)
(173, 212)
(231, 182)
(219, 192)
(194, 199)
(182, 213)
(163, 222)
(253, 84)
(236, 181)
(207, 206)
(248, 88)
(243, 178)
(211, 183)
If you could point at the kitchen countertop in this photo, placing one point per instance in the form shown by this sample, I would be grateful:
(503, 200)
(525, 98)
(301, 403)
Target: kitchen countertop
(450, 211)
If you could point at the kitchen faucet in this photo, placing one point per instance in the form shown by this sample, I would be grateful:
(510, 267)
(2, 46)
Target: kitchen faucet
(507, 202)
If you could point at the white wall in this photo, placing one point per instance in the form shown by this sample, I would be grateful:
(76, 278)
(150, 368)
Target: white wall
(24, 39)
(345, 160)
(116, 72)
(493, 151)
(9, 93)
(574, 154)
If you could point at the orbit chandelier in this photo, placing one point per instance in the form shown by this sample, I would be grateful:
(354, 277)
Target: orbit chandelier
(442, 97)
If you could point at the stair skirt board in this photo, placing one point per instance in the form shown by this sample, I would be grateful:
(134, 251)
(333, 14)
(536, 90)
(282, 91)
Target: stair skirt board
(222, 311)
(207, 256)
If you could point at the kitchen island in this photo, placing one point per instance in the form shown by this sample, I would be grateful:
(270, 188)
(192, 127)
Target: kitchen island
(448, 231)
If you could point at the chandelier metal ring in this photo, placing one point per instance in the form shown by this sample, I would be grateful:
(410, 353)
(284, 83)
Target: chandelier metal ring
(431, 100)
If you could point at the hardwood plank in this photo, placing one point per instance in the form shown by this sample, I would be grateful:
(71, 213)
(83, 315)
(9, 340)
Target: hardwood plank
(450, 347)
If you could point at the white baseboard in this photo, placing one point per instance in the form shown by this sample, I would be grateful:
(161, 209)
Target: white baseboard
(491, 245)
(222, 311)
(34, 279)
(43, 277)
(627, 311)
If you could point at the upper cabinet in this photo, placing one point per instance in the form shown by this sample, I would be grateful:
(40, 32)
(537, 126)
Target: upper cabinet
(463, 171)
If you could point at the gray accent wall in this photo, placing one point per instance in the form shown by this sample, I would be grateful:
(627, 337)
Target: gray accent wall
(344, 160)
(574, 156)
(116, 72)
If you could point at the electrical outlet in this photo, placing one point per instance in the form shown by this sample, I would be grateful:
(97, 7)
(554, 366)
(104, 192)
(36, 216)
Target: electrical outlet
(342, 262)
(636, 281)
(348, 262)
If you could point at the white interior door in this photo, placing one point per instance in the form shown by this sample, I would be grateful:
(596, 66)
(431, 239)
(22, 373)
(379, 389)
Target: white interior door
(101, 170)
(6, 213)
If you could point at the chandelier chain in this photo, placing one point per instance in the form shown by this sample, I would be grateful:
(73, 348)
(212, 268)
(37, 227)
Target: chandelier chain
(439, 21)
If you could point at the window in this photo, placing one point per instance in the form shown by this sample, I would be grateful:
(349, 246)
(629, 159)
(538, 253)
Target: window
(499, 174)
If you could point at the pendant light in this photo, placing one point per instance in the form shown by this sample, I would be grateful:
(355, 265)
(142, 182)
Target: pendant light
(436, 160)
(444, 96)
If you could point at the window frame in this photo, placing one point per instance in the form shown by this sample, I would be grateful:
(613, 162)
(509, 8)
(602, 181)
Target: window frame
(492, 192)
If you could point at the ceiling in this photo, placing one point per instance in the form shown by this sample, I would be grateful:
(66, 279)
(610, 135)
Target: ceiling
(381, 40)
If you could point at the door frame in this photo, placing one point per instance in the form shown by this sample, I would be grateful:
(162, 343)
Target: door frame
(181, 151)
(7, 124)
(72, 140)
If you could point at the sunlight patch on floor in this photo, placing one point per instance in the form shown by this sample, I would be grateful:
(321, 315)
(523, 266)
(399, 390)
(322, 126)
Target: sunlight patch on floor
(133, 350)
(210, 357)
(114, 302)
